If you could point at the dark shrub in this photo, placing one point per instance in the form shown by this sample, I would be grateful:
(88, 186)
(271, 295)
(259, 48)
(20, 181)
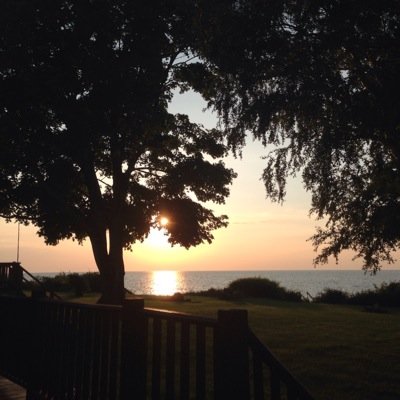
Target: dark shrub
(229, 294)
(93, 281)
(212, 292)
(262, 287)
(332, 296)
(293, 295)
(256, 287)
(78, 284)
(364, 298)
(73, 282)
(58, 283)
(178, 297)
(30, 285)
(388, 294)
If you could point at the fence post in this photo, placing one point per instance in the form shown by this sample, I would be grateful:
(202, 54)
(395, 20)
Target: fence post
(231, 357)
(15, 278)
(133, 350)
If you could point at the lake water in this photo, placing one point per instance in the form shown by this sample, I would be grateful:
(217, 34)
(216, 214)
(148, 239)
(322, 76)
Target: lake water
(311, 281)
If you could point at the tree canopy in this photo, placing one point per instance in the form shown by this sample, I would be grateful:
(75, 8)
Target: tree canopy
(320, 83)
(88, 147)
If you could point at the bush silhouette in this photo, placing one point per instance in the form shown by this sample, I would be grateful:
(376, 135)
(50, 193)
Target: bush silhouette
(388, 294)
(71, 282)
(332, 296)
(262, 287)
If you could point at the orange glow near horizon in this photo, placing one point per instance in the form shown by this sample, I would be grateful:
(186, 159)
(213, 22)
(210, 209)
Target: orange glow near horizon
(263, 243)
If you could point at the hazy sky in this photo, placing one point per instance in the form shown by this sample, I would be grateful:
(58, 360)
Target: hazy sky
(260, 235)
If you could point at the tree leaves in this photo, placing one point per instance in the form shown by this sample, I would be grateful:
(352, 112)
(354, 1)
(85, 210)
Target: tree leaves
(85, 88)
(189, 222)
(321, 83)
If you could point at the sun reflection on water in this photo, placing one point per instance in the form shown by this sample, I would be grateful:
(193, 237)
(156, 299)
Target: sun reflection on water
(164, 283)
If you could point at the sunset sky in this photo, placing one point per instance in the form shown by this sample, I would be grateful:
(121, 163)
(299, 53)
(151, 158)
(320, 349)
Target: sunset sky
(260, 236)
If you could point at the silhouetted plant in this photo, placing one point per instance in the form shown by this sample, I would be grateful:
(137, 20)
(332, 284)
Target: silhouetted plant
(88, 144)
(332, 296)
(262, 287)
(70, 282)
(253, 287)
(78, 284)
(388, 294)
(320, 85)
(58, 283)
(93, 281)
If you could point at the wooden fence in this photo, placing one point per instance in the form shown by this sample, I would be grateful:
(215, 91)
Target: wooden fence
(60, 350)
(12, 277)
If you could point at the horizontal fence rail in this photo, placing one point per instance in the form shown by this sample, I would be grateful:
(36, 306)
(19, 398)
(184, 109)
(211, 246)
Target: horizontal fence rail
(70, 351)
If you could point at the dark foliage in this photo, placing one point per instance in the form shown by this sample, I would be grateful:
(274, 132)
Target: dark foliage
(332, 296)
(262, 287)
(388, 295)
(78, 284)
(254, 287)
(318, 82)
(88, 148)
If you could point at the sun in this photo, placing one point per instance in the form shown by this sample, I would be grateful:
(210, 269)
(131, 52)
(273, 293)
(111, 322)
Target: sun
(164, 221)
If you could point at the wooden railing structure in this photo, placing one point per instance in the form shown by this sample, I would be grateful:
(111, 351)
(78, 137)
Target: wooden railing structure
(12, 277)
(62, 350)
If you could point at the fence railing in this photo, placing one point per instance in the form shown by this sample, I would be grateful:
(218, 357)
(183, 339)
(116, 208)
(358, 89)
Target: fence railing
(61, 350)
(271, 380)
(12, 277)
(15, 338)
(180, 355)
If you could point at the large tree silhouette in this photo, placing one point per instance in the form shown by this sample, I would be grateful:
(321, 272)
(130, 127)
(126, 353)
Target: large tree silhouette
(320, 81)
(87, 145)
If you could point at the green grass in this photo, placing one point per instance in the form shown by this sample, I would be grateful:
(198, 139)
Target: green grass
(337, 352)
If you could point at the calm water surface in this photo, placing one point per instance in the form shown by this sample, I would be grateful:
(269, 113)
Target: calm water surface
(311, 281)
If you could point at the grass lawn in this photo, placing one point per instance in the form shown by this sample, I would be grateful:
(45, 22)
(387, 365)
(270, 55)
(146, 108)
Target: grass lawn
(337, 352)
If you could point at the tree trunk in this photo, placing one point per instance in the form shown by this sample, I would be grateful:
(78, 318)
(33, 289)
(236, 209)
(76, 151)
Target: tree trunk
(109, 260)
(112, 282)
(111, 268)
